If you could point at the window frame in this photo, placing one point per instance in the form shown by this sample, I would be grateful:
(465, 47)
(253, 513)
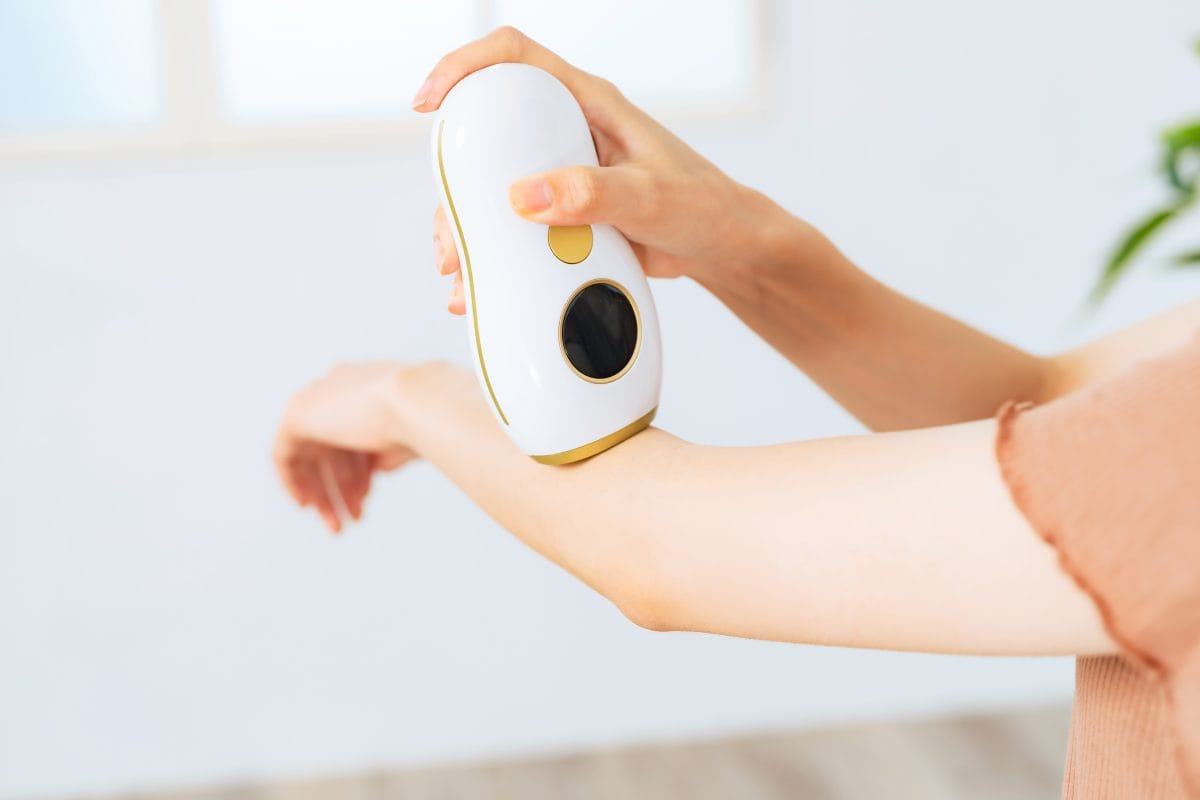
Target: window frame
(192, 120)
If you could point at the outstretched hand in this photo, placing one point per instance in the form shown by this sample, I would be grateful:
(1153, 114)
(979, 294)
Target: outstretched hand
(335, 435)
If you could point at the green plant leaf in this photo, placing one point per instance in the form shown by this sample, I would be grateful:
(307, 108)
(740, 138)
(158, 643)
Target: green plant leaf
(1128, 247)
(1181, 166)
(1178, 142)
(1188, 259)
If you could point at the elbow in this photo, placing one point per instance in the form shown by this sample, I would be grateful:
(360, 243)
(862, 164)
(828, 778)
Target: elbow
(647, 613)
(646, 591)
(1055, 378)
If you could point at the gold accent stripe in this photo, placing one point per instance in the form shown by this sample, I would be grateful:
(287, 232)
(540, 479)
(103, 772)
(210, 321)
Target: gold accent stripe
(470, 278)
(600, 445)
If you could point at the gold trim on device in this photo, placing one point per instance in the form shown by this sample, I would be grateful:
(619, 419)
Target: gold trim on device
(600, 445)
(470, 277)
(637, 317)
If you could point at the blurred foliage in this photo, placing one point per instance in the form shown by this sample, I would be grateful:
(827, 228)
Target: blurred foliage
(1180, 169)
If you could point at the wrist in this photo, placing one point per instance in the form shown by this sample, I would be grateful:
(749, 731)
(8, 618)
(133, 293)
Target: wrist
(418, 392)
(763, 240)
(760, 235)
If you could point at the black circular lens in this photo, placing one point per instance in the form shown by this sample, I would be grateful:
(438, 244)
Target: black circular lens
(599, 331)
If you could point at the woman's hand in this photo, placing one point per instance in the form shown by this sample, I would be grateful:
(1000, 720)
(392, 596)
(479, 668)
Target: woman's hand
(682, 214)
(336, 434)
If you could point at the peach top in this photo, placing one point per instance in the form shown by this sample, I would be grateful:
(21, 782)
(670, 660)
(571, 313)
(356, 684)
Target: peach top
(1110, 477)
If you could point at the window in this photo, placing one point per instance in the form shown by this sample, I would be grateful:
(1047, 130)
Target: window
(289, 60)
(661, 53)
(59, 68)
(77, 75)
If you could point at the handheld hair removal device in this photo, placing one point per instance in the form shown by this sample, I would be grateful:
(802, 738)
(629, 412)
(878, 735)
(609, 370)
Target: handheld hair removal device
(561, 320)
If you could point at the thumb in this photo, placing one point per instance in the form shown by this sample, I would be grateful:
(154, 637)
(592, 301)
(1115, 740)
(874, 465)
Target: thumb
(581, 196)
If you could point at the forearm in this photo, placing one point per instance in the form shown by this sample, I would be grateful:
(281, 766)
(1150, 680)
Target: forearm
(905, 541)
(892, 362)
(583, 517)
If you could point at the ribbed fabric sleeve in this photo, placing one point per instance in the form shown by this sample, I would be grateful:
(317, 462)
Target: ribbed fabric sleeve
(1110, 477)
(1121, 737)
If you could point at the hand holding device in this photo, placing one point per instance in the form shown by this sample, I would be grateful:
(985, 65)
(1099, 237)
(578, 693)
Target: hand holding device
(682, 215)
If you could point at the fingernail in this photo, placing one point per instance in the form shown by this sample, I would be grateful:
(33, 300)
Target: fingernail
(423, 93)
(531, 196)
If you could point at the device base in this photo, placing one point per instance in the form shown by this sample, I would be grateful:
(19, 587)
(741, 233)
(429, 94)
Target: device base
(600, 445)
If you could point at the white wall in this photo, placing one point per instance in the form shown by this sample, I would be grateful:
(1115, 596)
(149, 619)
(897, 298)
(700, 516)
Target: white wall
(166, 617)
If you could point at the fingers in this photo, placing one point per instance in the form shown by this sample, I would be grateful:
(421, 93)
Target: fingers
(321, 501)
(458, 300)
(285, 468)
(360, 484)
(333, 509)
(622, 196)
(306, 472)
(297, 470)
(354, 480)
(334, 482)
(445, 254)
(333, 479)
(345, 466)
(503, 45)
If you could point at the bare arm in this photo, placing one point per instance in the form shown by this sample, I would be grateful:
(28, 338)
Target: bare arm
(895, 363)
(892, 362)
(1103, 358)
(889, 360)
(904, 540)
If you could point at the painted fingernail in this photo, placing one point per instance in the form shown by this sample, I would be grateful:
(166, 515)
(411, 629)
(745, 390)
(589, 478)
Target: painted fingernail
(531, 195)
(422, 95)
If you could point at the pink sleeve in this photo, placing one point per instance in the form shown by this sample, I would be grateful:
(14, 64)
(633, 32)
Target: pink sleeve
(1110, 477)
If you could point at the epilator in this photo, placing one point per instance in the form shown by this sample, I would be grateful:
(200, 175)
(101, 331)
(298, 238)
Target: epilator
(561, 321)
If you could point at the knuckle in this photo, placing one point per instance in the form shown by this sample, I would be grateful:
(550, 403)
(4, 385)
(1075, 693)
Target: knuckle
(511, 40)
(583, 190)
(654, 189)
(607, 88)
(444, 63)
(603, 98)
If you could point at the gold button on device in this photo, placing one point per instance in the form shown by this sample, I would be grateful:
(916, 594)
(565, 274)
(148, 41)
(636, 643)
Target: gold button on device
(570, 243)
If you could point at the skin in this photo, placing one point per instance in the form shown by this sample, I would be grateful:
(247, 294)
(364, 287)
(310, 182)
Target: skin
(905, 538)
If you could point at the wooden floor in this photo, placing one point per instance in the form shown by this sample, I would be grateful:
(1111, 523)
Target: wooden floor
(1014, 755)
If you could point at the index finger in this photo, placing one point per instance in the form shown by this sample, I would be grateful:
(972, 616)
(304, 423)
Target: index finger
(285, 458)
(504, 45)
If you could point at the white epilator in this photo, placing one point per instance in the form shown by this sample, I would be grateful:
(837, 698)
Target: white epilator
(561, 321)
